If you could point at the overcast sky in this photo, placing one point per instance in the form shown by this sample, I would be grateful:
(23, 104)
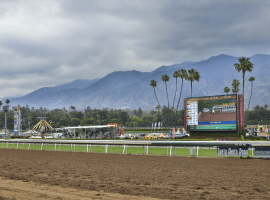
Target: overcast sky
(48, 42)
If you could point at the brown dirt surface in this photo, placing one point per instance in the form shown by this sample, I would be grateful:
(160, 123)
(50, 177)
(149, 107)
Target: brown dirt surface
(30, 174)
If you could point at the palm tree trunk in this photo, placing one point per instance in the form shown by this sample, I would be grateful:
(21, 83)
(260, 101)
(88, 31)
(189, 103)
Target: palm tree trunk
(178, 102)
(167, 95)
(175, 92)
(244, 86)
(168, 102)
(250, 94)
(191, 87)
(156, 96)
(180, 95)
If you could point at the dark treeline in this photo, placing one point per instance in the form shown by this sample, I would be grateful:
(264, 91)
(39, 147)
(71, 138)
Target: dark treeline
(259, 115)
(71, 117)
(128, 118)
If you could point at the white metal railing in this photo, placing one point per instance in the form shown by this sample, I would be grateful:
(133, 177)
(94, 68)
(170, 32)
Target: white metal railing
(170, 145)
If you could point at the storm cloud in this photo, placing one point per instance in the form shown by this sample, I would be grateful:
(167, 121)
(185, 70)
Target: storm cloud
(49, 42)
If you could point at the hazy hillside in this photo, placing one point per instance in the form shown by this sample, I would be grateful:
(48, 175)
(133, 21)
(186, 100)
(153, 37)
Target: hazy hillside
(131, 89)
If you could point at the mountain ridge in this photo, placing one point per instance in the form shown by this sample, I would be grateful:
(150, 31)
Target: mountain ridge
(131, 89)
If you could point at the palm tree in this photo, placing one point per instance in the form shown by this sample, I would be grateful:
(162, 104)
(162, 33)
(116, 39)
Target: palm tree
(243, 65)
(235, 86)
(176, 74)
(251, 79)
(72, 108)
(153, 83)
(226, 90)
(166, 78)
(193, 75)
(265, 107)
(7, 101)
(183, 75)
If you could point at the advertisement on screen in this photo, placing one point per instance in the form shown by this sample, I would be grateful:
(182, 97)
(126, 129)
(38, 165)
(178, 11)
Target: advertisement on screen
(211, 113)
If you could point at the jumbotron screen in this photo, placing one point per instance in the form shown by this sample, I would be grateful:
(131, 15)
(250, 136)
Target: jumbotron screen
(214, 113)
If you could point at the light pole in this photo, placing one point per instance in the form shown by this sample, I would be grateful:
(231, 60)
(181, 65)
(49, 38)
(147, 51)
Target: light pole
(5, 108)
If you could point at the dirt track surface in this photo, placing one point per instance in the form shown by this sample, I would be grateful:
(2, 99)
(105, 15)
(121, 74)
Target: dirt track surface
(29, 174)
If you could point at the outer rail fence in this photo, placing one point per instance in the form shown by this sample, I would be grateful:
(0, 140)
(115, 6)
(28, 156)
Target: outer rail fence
(231, 148)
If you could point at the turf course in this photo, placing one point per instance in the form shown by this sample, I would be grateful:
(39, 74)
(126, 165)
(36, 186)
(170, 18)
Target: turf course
(113, 149)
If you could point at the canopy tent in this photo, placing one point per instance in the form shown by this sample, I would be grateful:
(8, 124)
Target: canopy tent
(85, 127)
(148, 137)
(161, 136)
(76, 129)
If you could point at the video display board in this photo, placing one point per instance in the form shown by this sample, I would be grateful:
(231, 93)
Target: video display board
(211, 113)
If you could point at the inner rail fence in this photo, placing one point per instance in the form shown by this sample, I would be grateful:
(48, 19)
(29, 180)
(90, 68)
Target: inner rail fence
(177, 148)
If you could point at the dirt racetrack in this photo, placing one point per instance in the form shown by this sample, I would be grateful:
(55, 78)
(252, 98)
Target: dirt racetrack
(30, 174)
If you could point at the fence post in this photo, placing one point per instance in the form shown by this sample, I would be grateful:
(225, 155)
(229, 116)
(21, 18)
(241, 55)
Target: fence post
(60, 147)
(74, 147)
(124, 149)
(87, 148)
(170, 150)
(197, 150)
(147, 149)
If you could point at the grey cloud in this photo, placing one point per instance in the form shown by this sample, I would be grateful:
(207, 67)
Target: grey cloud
(63, 40)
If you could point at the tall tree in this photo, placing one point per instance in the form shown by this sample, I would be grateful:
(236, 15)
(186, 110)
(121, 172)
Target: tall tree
(235, 86)
(227, 90)
(1, 104)
(165, 78)
(265, 107)
(183, 75)
(7, 101)
(153, 83)
(176, 75)
(243, 66)
(193, 75)
(251, 79)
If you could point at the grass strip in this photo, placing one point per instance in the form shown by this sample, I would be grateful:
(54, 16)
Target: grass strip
(112, 149)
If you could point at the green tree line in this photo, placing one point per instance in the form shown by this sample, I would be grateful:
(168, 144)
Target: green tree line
(72, 117)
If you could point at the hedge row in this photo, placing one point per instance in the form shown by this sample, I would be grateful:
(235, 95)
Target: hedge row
(219, 134)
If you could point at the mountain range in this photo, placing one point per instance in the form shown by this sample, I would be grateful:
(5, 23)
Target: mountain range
(131, 89)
